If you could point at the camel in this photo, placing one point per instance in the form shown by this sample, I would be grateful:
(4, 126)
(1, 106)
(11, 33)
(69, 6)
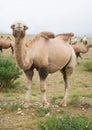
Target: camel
(6, 43)
(81, 49)
(46, 53)
(1, 36)
(84, 40)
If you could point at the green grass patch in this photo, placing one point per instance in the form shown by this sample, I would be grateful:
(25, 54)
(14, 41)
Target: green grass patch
(67, 122)
(86, 66)
(41, 111)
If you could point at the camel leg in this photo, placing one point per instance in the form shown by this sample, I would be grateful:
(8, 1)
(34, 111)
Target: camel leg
(12, 49)
(43, 72)
(66, 76)
(80, 56)
(29, 75)
(1, 48)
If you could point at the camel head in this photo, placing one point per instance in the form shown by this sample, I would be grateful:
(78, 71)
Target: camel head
(19, 30)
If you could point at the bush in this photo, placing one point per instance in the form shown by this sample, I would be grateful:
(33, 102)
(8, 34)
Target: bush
(9, 72)
(66, 123)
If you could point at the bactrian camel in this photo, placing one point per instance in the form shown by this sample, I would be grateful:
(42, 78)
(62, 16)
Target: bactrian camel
(6, 43)
(84, 40)
(45, 53)
(81, 49)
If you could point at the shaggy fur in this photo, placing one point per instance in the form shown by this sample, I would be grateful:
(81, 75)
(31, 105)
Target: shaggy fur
(65, 36)
(47, 35)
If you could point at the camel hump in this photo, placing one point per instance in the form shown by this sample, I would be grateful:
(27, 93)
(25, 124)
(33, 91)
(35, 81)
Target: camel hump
(47, 35)
(65, 36)
(8, 37)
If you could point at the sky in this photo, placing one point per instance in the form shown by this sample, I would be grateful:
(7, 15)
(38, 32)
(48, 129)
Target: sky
(57, 16)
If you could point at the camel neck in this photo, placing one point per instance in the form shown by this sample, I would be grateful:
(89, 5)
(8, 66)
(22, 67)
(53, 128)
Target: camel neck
(88, 46)
(20, 51)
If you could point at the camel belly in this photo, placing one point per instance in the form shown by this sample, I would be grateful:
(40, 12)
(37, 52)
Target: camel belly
(58, 59)
(58, 64)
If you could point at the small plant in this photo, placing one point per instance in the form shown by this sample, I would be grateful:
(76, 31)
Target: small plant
(40, 111)
(66, 123)
(9, 72)
(10, 106)
(54, 99)
(74, 100)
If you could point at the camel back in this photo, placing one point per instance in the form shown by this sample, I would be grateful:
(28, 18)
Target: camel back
(46, 35)
(65, 36)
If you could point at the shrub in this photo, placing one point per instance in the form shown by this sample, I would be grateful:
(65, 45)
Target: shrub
(9, 72)
(66, 123)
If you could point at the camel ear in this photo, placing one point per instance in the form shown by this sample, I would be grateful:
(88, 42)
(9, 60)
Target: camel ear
(12, 26)
(25, 27)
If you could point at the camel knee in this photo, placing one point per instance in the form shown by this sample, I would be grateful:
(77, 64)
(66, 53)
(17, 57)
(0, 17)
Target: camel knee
(43, 88)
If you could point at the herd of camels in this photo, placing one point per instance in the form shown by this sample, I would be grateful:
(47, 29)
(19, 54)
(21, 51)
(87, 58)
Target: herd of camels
(47, 53)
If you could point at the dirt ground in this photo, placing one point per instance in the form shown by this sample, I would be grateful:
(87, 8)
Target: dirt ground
(28, 119)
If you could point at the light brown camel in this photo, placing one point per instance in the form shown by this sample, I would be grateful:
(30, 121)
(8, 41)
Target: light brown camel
(81, 49)
(45, 53)
(6, 43)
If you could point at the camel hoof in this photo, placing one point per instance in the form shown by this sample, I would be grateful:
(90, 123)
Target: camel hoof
(46, 104)
(63, 104)
(26, 105)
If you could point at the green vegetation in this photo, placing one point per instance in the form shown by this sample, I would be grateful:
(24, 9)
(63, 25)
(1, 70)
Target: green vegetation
(67, 122)
(9, 72)
(10, 106)
(41, 111)
(87, 66)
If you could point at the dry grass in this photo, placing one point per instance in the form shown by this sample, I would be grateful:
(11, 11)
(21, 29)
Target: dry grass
(81, 89)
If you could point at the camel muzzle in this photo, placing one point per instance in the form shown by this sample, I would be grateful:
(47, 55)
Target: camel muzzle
(18, 33)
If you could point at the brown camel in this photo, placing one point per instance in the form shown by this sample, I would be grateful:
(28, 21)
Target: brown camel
(2, 36)
(6, 43)
(45, 53)
(81, 49)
